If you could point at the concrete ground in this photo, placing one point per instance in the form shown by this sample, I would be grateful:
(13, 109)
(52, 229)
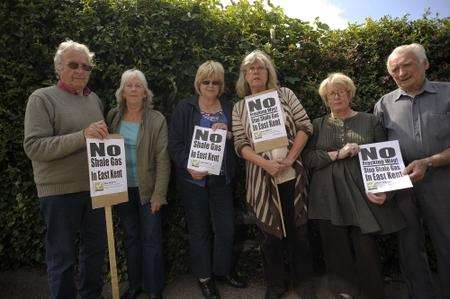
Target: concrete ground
(32, 283)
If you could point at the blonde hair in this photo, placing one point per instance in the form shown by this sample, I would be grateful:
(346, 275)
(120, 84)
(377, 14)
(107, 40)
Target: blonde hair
(242, 87)
(336, 78)
(210, 69)
(70, 45)
(417, 49)
(126, 76)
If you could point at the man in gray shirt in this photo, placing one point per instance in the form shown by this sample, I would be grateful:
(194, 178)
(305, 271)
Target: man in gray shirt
(417, 114)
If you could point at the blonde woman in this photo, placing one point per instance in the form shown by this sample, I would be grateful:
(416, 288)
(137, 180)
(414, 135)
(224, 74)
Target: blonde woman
(207, 199)
(257, 74)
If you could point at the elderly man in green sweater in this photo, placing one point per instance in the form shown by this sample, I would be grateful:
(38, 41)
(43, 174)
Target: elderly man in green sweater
(58, 120)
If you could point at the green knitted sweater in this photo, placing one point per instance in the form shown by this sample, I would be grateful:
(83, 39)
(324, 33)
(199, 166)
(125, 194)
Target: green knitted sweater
(54, 140)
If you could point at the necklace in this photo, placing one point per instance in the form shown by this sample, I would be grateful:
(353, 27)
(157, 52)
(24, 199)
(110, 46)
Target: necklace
(213, 108)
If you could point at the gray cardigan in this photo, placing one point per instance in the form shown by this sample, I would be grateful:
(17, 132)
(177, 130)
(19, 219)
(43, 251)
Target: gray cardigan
(153, 164)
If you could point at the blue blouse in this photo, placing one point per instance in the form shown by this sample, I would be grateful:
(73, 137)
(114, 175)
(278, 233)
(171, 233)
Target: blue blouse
(129, 131)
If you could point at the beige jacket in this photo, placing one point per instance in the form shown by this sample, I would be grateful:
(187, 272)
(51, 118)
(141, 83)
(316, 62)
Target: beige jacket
(153, 164)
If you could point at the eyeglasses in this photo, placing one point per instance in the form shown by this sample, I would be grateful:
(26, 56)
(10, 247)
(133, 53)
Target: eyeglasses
(213, 82)
(75, 65)
(256, 69)
(340, 93)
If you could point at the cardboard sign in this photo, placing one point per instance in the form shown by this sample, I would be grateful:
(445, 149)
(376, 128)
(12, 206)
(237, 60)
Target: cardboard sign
(107, 171)
(207, 148)
(266, 119)
(382, 167)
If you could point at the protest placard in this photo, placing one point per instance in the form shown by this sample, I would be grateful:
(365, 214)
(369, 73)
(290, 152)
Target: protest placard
(107, 169)
(382, 167)
(108, 186)
(266, 119)
(207, 148)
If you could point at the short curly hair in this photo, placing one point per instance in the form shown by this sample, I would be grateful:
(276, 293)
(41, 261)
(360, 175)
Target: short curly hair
(336, 78)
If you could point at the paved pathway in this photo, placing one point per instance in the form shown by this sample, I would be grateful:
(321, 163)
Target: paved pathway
(32, 284)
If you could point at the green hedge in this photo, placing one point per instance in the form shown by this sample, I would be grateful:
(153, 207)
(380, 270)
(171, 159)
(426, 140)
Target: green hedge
(168, 40)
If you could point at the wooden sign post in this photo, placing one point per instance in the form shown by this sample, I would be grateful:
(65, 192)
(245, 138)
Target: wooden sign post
(108, 185)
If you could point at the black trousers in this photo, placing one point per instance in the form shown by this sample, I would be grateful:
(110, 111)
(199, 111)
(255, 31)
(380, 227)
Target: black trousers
(353, 257)
(293, 249)
(209, 215)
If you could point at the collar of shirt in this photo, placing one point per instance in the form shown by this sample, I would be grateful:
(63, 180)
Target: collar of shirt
(63, 86)
(427, 86)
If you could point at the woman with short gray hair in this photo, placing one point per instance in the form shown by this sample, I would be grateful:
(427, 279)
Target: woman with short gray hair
(348, 218)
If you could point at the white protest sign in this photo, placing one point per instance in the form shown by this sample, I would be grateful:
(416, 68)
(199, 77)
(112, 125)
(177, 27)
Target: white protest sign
(108, 185)
(382, 167)
(266, 119)
(207, 148)
(107, 166)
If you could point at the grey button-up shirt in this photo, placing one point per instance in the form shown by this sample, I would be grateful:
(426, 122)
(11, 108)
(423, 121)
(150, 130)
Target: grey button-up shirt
(421, 124)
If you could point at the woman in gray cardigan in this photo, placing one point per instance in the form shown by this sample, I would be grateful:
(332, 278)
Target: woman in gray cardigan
(145, 133)
(348, 218)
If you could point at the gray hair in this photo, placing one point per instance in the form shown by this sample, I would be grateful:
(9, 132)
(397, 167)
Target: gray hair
(417, 49)
(70, 45)
(336, 78)
(242, 87)
(126, 76)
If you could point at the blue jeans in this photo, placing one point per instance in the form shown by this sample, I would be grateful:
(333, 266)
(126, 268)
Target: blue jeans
(143, 246)
(209, 207)
(65, 215)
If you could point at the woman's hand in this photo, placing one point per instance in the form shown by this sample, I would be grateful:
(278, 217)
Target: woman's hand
(197, 175)
(376, 198)
(155, 207)
(349, 150)
(286, 163)
(219, 126)
(272, 167)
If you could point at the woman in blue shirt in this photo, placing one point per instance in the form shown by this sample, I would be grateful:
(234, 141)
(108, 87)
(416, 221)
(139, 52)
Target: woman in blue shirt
(148, 167)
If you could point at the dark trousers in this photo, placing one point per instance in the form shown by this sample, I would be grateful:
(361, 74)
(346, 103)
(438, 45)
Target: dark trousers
(427, 203)
(143, 247)
(353, 257)
(65, 215)
(206, 207)
(296, 246)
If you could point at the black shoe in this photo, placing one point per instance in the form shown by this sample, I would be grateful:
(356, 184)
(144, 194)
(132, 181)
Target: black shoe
(233, 280)
(274, 293)
(155, 296)
(208, 289)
